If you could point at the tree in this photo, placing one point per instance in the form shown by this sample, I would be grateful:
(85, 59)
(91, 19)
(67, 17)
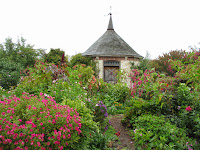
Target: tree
(14, 58)
(54, 56)
(20, 52)
(145, 63)
(162, 64)
(79, 59)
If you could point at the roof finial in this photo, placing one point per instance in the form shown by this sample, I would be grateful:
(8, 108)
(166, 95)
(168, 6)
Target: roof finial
(110, 25)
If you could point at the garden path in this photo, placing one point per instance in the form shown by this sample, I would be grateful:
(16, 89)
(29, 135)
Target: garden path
(126, 143)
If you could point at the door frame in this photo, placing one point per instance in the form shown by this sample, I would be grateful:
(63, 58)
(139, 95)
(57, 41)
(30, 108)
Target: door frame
(110, 63)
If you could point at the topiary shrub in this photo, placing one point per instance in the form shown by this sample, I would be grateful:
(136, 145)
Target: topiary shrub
(38, 122)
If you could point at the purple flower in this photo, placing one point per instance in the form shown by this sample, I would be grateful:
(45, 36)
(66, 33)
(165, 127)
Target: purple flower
(109, 122)
(106, 128)
(106, 114)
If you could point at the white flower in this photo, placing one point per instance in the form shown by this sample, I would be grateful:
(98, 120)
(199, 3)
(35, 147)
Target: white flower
(46, 95)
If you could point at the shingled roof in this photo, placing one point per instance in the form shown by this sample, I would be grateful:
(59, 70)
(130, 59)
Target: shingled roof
(111, 44)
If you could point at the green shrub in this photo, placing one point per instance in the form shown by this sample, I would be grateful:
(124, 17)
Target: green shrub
(91, 136)
(153, 132)
(119, 92)
(9, 73)
(87, 123)
(46, 78)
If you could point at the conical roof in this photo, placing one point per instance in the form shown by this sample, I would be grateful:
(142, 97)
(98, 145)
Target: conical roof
(111, 44)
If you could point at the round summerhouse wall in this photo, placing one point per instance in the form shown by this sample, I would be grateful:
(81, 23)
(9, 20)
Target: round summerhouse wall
(124, 64)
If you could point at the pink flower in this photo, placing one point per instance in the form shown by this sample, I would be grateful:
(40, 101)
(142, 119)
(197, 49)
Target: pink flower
(3, 113)
(32, 142)
(41, 123)
(188, 109)
(68, 136)
(57, 142)
(33, 125)
(16, 143)
(38, 143)
(20, 120)
(11, 117)
(63, 136)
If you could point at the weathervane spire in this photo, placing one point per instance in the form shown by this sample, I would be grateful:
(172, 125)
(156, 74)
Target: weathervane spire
(110, 25)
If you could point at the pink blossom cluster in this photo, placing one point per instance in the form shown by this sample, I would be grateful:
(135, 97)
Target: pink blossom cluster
(188, 109)
(30, 122)
(139, 81)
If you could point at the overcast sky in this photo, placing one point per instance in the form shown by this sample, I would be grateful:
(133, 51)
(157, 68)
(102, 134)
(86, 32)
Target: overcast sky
(156, 26)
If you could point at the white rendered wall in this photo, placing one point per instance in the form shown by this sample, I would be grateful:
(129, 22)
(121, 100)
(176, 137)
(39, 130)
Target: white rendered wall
(126, 67)
(100, 68)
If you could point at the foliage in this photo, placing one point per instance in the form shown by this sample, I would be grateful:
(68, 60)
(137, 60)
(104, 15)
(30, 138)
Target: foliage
(44, 77)
(54, 56)
(101, 114)
(177, 98)
(145, 63)
(20, 52)
(78, 59)
(155, 132)
(14, 58)
(9, 73)
(162, 64)
(38, 122)
(87, 123)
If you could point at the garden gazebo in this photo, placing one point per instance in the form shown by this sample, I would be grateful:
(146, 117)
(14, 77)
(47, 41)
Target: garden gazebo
(111, 53)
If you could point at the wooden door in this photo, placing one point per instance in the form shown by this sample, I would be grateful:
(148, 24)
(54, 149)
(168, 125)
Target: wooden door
(110, 74)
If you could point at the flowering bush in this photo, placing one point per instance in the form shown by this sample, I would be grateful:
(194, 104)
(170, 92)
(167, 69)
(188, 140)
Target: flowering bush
(100, 113)
(175, 97)
(46, 78)
(37, 122)
(88, 125)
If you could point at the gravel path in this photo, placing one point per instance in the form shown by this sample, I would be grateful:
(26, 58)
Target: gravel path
(126, 143)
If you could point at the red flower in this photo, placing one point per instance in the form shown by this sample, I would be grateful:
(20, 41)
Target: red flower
(188, 109)
(117, 134)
